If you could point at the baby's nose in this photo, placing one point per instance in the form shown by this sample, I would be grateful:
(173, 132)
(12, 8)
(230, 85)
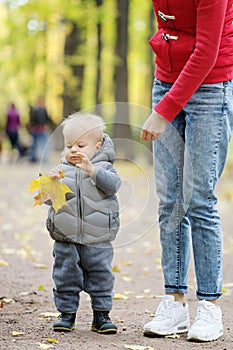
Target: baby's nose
(74, 148)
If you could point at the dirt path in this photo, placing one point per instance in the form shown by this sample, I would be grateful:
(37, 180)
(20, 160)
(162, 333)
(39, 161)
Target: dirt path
(26, 263)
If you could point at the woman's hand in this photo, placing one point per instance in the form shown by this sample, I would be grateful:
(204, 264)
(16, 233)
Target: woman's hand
(154, 127)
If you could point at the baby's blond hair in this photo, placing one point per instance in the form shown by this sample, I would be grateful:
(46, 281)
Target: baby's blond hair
(83, 123)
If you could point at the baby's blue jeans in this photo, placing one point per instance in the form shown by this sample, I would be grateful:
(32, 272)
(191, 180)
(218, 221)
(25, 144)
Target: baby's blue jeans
(82, 268)
(189, 160)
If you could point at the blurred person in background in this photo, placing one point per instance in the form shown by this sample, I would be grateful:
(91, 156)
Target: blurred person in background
(38, 128)
(12, 127)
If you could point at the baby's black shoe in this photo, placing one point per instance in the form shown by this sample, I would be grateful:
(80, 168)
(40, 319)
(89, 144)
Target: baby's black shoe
(65, 323)
(102, 323)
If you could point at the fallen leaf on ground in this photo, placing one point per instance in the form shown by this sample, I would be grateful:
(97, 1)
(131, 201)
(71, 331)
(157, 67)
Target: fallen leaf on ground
(45, 346)
(17, 334)
(127, 263)
(50, 340)
(4, 263)
(228, 285)
(127, 278)
(40, 287)
(7, 301)
(128, 292)
(173, 336)
(137, 347)
(50, 189)
(49, 314)
(8, 250)
(120, 296)
(120, 321)
(40, 266)
(115, 269)
(226, 291)
(146, 291)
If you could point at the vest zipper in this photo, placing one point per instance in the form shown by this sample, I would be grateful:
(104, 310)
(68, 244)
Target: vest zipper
(79, 204)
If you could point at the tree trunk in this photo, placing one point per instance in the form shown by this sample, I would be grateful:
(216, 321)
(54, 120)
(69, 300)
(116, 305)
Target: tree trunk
(122, 129)
(99, 3)
(72, 95)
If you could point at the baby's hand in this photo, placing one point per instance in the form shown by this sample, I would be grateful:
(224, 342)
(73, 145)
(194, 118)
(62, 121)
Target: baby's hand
(85, 164)
(55, 173)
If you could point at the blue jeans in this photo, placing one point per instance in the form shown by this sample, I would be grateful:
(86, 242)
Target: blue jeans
(188, 160)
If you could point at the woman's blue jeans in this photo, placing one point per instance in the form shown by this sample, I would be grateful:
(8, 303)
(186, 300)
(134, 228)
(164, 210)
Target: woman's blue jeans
(189, 159)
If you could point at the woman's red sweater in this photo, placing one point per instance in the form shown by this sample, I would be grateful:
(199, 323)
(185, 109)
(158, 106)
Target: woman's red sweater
(193, 46)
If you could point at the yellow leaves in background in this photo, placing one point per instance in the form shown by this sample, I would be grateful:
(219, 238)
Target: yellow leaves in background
(50, 189)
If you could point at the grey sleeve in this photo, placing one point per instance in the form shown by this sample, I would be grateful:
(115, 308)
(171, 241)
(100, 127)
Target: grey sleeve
(107, 180)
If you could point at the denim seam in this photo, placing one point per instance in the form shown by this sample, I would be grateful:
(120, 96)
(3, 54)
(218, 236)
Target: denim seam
(213, 170)
(208, 295)
(179, 212)
(175, 287)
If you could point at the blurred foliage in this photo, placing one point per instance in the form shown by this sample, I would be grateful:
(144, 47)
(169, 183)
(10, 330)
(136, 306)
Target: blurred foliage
(33, 38)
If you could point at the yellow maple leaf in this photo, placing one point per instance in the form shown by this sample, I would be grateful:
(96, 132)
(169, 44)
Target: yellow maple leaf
(50, 189)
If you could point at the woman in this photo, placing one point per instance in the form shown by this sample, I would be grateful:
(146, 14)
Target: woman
(190, 126)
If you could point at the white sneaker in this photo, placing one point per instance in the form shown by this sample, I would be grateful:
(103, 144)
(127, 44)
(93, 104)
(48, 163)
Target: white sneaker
(208, 324)
(171, 317)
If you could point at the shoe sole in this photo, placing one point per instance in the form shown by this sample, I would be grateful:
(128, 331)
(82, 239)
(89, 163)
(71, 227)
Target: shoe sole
(63, 329)
(105, 331)
(177, 330)
(202, 340)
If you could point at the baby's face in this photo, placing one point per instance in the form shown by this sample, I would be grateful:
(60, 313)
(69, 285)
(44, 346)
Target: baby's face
(86, 144)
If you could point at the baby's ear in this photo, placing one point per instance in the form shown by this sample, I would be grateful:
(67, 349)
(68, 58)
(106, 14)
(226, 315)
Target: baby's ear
(99, 144)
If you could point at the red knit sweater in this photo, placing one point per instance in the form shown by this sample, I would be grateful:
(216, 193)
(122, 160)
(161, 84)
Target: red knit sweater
(193, 46)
